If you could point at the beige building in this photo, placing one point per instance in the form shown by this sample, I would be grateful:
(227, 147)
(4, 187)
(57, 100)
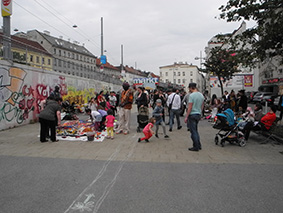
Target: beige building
(182, 74)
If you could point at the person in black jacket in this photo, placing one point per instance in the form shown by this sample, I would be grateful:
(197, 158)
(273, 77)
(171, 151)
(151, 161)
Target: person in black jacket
(141, 98)
(243, 101)
(280, 107)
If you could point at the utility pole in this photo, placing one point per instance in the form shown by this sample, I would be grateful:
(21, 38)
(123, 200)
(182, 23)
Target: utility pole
(102, 51)
(6, 7)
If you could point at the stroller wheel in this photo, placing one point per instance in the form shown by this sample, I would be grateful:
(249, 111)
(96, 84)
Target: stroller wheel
(216, 140)
(222, 143)
(242, 142)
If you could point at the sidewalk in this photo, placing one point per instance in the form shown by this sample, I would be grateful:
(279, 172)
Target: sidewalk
(24, 141)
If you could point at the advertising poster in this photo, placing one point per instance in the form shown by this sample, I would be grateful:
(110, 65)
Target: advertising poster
(248, 81)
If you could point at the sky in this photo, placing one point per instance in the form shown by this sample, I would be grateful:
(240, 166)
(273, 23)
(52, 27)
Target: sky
(154, 33)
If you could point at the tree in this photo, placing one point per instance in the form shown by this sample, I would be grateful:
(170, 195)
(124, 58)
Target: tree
(223, 63)
(266, 38)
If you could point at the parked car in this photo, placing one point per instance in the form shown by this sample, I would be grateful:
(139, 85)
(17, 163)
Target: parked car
(250, 96)
(260, 96)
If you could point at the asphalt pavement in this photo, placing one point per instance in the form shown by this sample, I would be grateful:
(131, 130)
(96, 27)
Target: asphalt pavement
(122, 175)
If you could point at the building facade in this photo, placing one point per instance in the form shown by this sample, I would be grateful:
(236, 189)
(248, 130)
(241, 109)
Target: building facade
(29, 52)
(182, 74)
(68, 57)
(247, 79)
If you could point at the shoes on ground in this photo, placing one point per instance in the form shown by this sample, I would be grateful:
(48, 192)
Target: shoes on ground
(146, 140)
(170, 130)
(108, 137)
(166, 136)
(156, 135)
(112, 138)
(118, 132)
(44, 141)
(193, 149)
(180, 127)
(125, 133)
(139, 140)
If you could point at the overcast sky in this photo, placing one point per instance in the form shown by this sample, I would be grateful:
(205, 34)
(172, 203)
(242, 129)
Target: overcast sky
(154, 32)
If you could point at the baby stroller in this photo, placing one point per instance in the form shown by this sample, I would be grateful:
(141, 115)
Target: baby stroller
(228, 129)
(142, 118)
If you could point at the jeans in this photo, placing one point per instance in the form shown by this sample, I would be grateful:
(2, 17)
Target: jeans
(193, 124)
(172, 114)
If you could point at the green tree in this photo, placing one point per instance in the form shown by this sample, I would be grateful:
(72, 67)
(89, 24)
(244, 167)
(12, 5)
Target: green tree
(266, 38)
(223, 63)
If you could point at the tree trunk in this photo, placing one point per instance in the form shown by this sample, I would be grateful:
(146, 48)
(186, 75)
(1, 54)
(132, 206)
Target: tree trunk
(221, 85)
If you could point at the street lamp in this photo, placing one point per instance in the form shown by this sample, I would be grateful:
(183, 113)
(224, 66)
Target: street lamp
(200, 58)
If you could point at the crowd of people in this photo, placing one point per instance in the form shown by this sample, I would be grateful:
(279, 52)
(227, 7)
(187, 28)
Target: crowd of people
(105, 106)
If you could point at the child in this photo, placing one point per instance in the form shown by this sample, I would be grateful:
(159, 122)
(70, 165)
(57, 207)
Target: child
(96, 117)
(158, 114)
(147, 131)
(110, 123)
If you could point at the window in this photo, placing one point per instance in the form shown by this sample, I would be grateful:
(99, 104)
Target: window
(174, 73)
(37, 59)
(43, 60)
(191, 73)
(167, 81)
(184, 73)
(174, 81)
(81, 67)
(64, 63)
(68, 64)
(64, 54)
(160, 74)
(179, 73)
(191, 80)
(59, 52)
(184, 80)
(54, 51)
(49, 61)
(60, 63)
(31, 58)
(73, 55)
(55, 62)
(73, 65)
(69, 54)
(166, 74)
(179, 81)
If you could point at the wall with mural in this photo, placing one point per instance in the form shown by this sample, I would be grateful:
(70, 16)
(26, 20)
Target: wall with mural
(22, 88)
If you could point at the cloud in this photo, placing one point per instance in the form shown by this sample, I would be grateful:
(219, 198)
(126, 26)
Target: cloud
(154, 32)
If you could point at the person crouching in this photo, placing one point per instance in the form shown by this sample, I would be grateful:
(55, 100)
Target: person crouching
(147, 131)
(95, 117)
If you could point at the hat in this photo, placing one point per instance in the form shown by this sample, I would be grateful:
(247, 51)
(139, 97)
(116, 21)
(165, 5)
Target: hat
(158, 101)
(192, 85)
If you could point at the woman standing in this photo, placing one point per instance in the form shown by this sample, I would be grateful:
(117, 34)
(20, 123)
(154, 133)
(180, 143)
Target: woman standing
(48, 118)
(142, 98)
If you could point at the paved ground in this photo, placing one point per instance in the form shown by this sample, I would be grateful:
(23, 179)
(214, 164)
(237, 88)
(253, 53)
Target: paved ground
(122, 175)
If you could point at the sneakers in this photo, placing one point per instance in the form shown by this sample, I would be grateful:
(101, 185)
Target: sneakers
(112, 138)
(119, 132)
(139, 140)
(180, 127)
(146, 140)
(170, 130)
(156, 135)
(166, 136)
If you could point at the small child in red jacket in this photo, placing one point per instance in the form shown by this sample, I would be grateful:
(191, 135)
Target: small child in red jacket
(147, 131)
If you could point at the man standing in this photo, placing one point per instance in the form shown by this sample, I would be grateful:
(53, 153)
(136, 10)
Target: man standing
(195, 106)
(174, 104)
(125, 107)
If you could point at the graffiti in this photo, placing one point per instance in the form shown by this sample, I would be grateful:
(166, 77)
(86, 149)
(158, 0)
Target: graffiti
(79, 96)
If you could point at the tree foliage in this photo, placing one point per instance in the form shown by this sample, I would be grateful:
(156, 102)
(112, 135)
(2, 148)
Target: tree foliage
(266, 38)
(223, 63)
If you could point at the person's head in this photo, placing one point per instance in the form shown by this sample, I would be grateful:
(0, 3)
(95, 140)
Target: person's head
(214, 96)
(140, 89)
(91, 100)
(101, 92)
(109, 112)
(59, 100)
(112, 93)
(158, 102)
(226, 92)
(57, 88)
(273, 108)
(152, 120)
(258, 107)
(126, 86)
(174, 90)
(242, 92)
(88, 111)
(192, 87)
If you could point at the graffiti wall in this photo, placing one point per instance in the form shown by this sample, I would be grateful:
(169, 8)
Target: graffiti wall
(22, 88)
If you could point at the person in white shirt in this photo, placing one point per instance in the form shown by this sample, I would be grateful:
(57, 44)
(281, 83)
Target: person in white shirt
(174, 104)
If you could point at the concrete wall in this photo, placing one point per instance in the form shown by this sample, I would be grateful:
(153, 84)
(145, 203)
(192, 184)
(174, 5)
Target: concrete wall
(22, 88)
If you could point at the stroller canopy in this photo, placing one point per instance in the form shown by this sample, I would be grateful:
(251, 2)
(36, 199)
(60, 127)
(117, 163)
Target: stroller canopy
(229, 115)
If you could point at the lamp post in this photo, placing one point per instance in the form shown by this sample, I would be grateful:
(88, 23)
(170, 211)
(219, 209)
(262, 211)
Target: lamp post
(200, 58)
